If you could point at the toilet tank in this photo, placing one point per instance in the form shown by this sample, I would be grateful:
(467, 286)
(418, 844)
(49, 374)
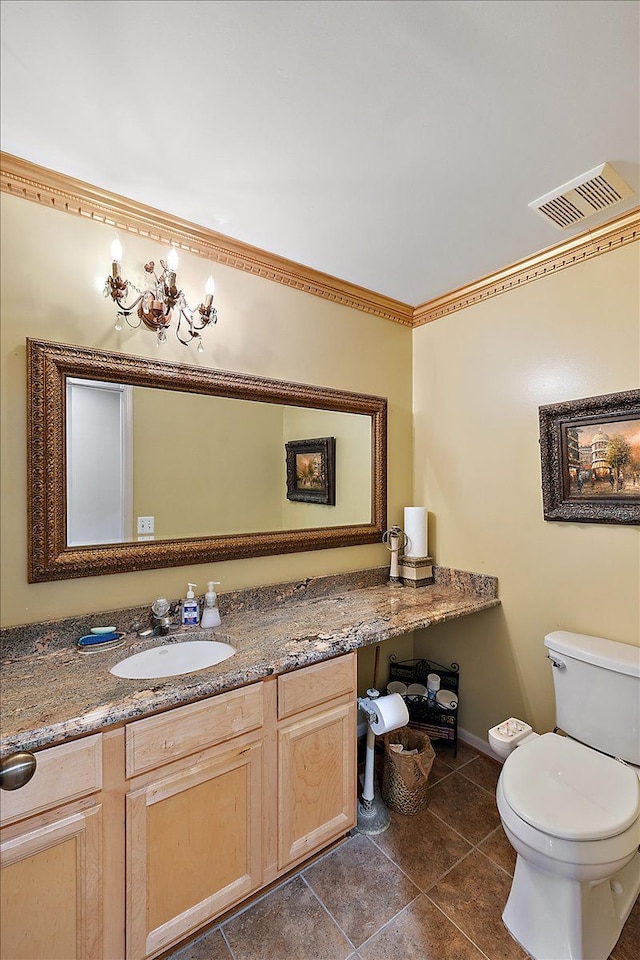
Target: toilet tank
(597, 692)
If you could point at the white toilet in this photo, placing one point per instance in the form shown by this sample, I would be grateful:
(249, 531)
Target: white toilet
(570, 810)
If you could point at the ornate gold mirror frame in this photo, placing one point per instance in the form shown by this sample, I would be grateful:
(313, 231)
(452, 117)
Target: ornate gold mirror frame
(49, 364)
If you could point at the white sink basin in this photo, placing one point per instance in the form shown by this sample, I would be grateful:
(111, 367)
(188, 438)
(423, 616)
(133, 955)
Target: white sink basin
(172, 659)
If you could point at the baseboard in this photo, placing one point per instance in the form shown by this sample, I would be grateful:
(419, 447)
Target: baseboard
(477, 743)
(482, 746)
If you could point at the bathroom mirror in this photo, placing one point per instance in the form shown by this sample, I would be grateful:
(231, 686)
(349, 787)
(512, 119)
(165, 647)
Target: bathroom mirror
(137, 463)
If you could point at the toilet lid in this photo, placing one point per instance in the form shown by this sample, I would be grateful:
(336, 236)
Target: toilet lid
(569, 791)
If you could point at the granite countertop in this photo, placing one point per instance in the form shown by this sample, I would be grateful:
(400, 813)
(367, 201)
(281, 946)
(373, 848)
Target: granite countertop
(52, 693)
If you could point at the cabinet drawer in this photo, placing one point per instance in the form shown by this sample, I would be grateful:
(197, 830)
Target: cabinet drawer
(184, 730)
(63, 773)
(316, 684)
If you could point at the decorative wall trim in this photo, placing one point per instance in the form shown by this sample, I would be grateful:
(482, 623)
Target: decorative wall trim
(20, 178)
(616, 233)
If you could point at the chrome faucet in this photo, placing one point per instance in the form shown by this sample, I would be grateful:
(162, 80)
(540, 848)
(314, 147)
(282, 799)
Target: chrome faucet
(161, 622)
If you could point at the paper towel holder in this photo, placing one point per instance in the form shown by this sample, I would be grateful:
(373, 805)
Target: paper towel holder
(415, 570)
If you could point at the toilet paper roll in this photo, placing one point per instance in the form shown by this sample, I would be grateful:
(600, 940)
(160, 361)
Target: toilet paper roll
(391, 712)
(415, 527)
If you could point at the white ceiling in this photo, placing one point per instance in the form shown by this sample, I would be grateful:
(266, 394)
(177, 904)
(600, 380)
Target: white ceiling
(392, 144)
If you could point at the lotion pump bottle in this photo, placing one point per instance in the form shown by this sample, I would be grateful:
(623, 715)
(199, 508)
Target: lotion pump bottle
(190, 608)
(210, 612)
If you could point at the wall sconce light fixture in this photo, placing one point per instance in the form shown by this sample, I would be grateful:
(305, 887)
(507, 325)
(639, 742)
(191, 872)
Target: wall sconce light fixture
(157, 306)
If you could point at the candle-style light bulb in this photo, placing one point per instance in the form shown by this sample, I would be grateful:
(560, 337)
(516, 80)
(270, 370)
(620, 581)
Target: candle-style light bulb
(172, 260)
(208, 297)
(116, 251)
(116, 258)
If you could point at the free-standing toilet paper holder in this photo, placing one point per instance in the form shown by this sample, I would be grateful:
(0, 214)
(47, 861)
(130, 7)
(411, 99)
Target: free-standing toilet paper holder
(373, 816)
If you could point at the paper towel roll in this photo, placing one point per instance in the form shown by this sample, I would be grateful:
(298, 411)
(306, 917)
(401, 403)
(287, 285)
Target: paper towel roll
(391, 712)
(415, 527)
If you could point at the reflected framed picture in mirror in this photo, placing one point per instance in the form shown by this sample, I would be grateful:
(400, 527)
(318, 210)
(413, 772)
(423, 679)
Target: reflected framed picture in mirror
(311, 470)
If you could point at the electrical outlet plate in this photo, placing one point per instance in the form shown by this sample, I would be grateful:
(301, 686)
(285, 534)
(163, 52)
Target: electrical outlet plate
(146, 525)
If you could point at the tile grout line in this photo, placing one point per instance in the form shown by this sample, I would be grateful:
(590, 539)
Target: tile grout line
(391, 919)
(229, 948)
(492, 793)
(498, 865)
(248, 906)
(453, 867)
(465, 935)
(391, 860)
(440, 876)
(473, 847)
(466, 839)
(330, 915)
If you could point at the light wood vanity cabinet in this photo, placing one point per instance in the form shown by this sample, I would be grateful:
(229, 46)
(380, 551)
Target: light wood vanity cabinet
(194, 826)
(51, 852)
(316, 757)
(158, 827)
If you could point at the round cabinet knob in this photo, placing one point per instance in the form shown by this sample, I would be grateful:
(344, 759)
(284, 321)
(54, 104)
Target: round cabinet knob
(16, 770)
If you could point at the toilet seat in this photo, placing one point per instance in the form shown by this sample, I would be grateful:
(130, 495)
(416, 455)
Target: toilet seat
(569, 791)
(545, 849)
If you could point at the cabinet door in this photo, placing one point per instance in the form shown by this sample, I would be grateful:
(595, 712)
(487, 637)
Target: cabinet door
(317, 780)
(194, 847)
(51, 888)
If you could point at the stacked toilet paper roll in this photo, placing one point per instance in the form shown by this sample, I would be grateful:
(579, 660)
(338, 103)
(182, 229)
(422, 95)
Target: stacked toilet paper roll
(415, 527)
(390, 713)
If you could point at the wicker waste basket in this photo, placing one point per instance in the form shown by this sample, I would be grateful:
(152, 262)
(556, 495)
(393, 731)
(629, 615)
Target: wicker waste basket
(405, 776)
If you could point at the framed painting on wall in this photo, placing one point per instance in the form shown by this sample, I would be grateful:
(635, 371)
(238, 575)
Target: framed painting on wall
(311, 470)
(590, 451)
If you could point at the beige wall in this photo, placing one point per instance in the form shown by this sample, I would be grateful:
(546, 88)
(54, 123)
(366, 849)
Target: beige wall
(50, 264)
(479, 378)
(353, 467)
(205, 466)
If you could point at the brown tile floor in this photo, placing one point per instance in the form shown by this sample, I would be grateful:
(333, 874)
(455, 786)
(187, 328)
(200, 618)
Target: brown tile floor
(432, 886)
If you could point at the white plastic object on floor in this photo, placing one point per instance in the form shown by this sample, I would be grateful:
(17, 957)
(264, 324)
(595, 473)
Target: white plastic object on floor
(506, 736)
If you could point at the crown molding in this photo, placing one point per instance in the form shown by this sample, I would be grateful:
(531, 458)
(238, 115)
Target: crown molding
(27, 180)
(616, 233)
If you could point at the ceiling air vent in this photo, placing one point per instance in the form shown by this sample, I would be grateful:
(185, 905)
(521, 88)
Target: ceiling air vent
(596, 190)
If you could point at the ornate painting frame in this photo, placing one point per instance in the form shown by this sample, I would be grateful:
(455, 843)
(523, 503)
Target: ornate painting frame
(316, 483)
(597, 481)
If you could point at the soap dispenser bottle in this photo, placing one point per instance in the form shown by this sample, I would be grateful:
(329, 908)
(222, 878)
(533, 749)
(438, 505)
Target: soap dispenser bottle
(210, 612)
(190, 608)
